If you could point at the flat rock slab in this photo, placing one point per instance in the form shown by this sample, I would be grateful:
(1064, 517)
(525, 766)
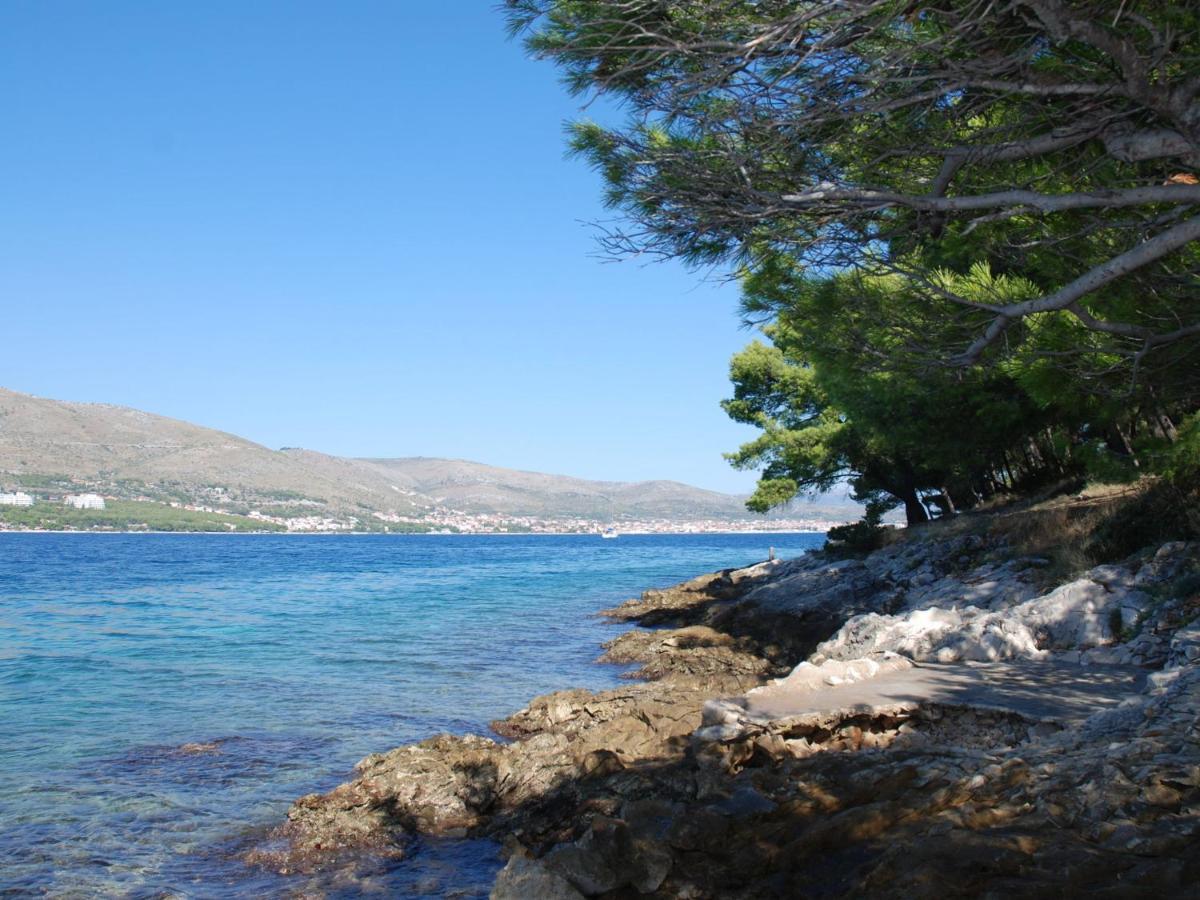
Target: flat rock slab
(1039, 691)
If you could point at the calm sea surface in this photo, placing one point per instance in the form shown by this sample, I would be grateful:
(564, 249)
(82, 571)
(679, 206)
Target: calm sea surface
(293, 657)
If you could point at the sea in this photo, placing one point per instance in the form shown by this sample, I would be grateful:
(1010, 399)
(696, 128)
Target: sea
(164, 698)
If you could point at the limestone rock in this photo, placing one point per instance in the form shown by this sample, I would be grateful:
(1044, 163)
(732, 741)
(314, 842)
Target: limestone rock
(924, 720)
(529, 879)
(1091, 611)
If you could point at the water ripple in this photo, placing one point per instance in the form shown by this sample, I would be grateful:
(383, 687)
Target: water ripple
(165, 697)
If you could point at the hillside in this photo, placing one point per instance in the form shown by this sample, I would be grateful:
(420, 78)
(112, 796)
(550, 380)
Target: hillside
(487, 489)
(131, 454)
(126, 449)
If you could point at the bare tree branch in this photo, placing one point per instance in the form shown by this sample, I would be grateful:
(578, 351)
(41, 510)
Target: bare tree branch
(1068, 296)
(1108, 199)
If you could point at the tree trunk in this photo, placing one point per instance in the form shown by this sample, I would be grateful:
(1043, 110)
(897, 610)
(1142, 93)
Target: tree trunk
(914, 509)
(981, 485)
(1031, 467)
(949, 503)
(1006, 470)
(1164, 420)
(1046, 443)
(906, 491)
(1127, 443)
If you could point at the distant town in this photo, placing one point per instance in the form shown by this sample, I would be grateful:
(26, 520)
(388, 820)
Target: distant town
(65, 511)
(68, 466)
(75, 501)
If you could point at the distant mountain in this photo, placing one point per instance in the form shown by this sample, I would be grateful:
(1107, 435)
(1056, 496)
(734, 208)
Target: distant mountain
(133, 454)
(126, 448)
(479, 488)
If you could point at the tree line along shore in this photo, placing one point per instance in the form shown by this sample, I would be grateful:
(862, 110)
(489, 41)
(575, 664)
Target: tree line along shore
(968, 234)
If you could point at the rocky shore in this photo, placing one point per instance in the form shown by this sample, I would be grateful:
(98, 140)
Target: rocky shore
(936, 718)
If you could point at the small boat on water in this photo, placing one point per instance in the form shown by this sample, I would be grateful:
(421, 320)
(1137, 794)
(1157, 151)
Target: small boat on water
(609, 533)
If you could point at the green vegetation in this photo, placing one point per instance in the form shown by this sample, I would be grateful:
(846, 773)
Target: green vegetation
(285, 511)
(29, 481)
(284, 495)
(125, 515)
(399, 527)
(902, 434)
(969, 234)
(372, 525)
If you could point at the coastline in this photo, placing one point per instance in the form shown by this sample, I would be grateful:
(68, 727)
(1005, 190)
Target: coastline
(408, 534)
(296, 659)
(765, 715)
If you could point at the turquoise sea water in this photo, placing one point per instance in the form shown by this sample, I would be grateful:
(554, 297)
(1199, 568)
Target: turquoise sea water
(288, 658)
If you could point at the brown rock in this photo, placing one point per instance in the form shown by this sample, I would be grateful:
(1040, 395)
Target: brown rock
(529, 879)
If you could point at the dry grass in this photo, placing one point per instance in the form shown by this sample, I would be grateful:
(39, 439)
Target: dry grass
(1073, 532)
(1061, 532)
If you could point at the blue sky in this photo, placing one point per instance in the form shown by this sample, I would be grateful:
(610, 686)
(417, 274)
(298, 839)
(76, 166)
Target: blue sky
(349, 227)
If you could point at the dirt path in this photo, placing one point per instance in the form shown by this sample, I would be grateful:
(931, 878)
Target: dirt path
(1063, 693)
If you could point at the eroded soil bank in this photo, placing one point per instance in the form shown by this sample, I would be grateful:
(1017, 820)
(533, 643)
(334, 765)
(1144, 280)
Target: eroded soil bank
(937, 718)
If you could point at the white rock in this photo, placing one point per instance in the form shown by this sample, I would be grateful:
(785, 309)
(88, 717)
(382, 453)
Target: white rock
(810, 677)
(720, 712)
(717, 733)
(1074, 616)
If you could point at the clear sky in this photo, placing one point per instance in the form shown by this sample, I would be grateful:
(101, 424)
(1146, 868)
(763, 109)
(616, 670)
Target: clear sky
(345, 226)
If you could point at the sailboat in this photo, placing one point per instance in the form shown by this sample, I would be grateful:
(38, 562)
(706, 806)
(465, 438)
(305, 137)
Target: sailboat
(608, 532)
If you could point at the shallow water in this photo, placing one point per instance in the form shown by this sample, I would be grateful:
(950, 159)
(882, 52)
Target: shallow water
(163, 698)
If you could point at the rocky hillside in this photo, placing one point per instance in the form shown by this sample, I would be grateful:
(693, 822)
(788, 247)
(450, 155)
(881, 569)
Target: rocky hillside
(944, 717)
(479, 488)
(132, 454)
(124, 450)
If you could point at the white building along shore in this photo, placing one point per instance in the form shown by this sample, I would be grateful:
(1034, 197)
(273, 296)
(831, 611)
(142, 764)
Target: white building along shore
(84, 501)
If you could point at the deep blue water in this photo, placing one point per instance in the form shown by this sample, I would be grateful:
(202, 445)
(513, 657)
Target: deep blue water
(292, 657)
